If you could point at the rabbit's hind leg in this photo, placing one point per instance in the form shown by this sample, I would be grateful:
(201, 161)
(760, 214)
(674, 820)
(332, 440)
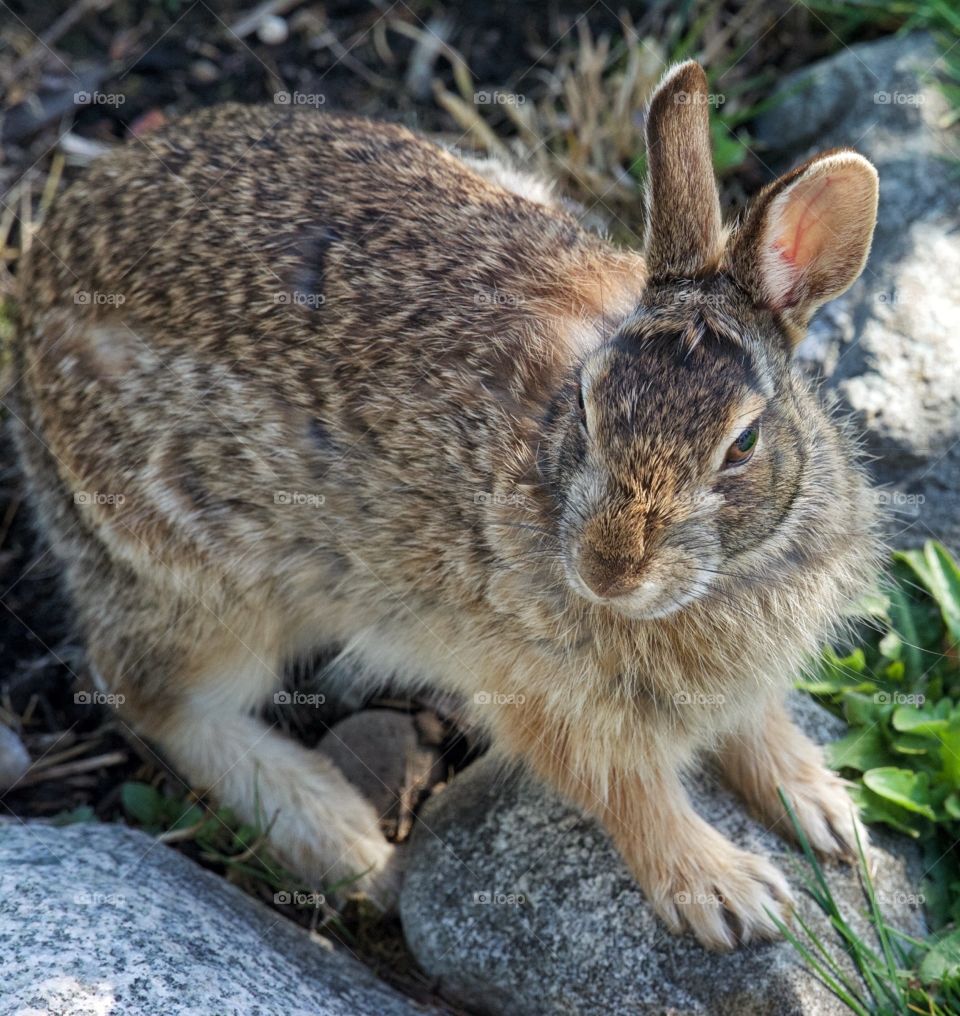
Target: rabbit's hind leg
(191, 682)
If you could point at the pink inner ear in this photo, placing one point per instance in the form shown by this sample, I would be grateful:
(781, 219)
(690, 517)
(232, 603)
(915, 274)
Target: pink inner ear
(803, 233)
(815, 232)
(798, 235)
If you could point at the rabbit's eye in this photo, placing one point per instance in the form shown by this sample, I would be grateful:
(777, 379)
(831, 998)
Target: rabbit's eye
(581, 405)
(742, 449)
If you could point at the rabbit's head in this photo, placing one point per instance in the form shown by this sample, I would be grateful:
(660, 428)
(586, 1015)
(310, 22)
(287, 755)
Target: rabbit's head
(687, 452)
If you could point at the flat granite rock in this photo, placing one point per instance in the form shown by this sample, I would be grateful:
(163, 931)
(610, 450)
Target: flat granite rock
(519, 906)
(102, 920)
(889, 348)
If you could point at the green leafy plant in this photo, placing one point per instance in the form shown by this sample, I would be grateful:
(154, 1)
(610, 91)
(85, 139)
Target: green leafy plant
(900, 694)
(898, 688)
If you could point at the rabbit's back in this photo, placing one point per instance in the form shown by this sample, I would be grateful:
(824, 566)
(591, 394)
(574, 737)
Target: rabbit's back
(227, 220)
(262, 303)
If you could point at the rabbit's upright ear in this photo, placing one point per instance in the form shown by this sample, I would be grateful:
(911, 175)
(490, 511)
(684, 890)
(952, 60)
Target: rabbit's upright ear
(806, 238)
(684, 228)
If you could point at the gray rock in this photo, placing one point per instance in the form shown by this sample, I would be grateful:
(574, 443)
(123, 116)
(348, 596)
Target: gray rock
(14, 758)
(566, 929)
(103, 919)
(889, 347)
(381, 754)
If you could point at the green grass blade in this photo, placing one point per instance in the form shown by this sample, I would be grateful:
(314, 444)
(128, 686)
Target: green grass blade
(892, 980)
(824, 975)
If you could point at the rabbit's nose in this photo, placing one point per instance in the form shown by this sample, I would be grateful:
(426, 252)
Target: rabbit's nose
(606, 577)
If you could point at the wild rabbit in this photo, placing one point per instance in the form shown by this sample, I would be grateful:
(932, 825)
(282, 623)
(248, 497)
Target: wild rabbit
(284, 380)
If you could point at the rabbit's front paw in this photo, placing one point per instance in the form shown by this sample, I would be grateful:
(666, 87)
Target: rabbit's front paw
(724, 895)
(775, 758)
(826, 814)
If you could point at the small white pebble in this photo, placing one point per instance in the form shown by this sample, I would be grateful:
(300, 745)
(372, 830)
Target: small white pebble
(204, 72)
(14, 758)
(272, 30)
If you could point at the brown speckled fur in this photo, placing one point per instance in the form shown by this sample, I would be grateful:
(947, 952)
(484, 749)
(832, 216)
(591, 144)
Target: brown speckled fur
(339, 400)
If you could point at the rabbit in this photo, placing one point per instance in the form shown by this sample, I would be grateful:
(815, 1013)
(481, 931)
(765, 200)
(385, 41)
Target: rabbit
(284, 379)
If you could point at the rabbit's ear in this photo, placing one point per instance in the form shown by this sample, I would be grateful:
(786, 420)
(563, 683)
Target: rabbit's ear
(806, 238)
(684, 228)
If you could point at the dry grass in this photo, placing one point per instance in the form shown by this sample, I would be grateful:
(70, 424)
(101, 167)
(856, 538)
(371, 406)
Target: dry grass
(581, 126)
